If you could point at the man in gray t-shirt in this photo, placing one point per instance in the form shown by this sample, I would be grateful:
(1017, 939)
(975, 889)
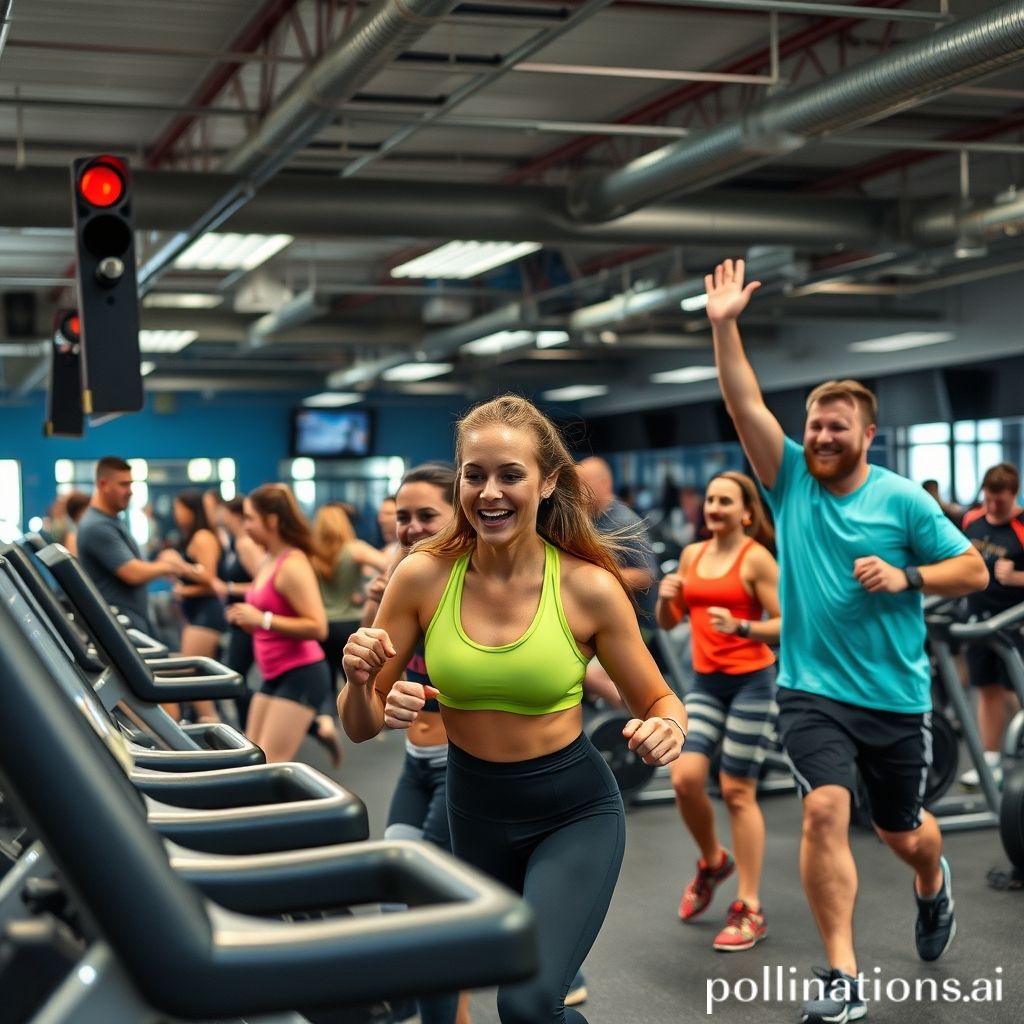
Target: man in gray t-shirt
(108, 552)
(636, 562)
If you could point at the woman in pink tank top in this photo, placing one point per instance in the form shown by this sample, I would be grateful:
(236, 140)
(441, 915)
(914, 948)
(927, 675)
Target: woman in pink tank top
(285, 614)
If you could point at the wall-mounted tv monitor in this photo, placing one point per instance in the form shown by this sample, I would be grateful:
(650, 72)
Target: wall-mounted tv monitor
(332, 433)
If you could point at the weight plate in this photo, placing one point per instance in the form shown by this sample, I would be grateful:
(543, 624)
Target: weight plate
(1011, 816)
(630, 772)
(945, 764)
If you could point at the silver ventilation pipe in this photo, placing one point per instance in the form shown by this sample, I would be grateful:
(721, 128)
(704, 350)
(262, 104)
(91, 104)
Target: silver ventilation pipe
(385, 29)
(894, 81)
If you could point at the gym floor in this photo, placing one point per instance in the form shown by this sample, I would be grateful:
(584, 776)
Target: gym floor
(648, 968)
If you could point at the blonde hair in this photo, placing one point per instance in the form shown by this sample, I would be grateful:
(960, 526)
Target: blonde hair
(562, 519)
(847, 390)
(332, 530)
(760, 527)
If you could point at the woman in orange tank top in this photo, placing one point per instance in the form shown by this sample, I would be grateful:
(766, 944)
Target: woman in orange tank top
(726, 585)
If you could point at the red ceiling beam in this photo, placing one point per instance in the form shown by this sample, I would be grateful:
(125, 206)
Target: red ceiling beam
(907, 158)
(649, 112)
(252, 37)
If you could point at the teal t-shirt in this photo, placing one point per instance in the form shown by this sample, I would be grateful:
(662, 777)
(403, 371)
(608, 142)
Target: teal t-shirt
(838, 640)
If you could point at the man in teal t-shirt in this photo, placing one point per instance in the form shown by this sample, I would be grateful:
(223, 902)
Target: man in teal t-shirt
(857, 547)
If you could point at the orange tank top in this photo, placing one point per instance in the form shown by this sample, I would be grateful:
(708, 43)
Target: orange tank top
(723, 652)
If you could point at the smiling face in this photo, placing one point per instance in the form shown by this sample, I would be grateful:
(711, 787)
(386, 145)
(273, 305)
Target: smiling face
(724, 509)
(421, 510)
(835, 440)
(501, 484)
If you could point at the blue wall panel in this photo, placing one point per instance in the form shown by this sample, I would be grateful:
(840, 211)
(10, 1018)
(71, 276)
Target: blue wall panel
(253, 429)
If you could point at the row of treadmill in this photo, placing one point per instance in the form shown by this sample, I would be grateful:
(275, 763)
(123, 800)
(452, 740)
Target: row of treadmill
(151, 871)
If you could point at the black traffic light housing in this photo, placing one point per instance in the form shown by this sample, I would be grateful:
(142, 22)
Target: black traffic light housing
(64, 414)
(108, 302)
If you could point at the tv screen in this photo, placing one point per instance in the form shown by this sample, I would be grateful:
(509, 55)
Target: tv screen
(332, 433)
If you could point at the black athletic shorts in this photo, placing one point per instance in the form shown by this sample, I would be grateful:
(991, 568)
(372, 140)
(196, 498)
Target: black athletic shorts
(986, 668)
(827, 741)
(307, 684)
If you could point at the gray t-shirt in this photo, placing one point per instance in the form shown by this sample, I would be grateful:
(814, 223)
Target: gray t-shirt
(104, 545)
(636, 552)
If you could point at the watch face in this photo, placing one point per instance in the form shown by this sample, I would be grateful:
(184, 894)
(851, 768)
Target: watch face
(914, 577)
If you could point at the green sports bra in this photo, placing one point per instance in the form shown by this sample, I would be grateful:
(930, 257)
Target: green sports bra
(539, 673)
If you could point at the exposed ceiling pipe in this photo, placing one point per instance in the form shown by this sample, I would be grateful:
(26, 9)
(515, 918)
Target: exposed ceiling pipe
(525, 316)
(328, 208)
(385, 29)
(313, 207)
(897, 80)
(5, 22)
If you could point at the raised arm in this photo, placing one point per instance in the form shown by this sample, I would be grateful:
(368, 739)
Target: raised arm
(760, 432)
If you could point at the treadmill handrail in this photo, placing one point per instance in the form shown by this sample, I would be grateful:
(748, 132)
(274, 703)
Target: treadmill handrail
(51, 607)
(194, 960)
(985, 628)
(114, 643)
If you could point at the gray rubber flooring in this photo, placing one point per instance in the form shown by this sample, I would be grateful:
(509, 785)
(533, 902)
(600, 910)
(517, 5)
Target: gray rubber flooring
(648, 968)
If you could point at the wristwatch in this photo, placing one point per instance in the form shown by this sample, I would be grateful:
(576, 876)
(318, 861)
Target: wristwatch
(915, 581)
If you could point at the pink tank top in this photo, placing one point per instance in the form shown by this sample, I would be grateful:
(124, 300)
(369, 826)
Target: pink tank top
(275, 652)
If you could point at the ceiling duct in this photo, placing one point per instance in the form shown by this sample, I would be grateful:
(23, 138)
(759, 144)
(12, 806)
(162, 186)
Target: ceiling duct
(903, 77)
(386, 29)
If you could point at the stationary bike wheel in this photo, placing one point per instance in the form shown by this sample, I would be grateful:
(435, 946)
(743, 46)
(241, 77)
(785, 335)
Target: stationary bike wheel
(945, 759)
(1011, 815)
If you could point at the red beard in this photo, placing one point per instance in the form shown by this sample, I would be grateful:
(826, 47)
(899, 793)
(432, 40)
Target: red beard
(834, 469)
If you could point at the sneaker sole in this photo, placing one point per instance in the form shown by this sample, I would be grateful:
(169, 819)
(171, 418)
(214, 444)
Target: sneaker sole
(737, 948)
(857, 1013)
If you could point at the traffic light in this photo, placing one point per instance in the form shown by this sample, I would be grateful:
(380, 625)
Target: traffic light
(64, 394)
(107, 293)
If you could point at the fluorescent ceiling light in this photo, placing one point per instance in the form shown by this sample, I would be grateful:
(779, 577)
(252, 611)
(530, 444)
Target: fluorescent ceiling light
(146, 368)
(416, 371)
(501, 341)
(549, 339)
(462, 260)
(332, 399)
(231, 252)
(165, 341)
(575, 392)
(182, 300)
(684, 375)
(899, 342)
(694, 303)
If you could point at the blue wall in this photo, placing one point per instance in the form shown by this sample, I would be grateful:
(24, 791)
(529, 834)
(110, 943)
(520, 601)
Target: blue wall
(253, 429)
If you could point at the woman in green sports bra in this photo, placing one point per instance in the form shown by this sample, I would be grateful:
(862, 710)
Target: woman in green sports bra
(513, 598)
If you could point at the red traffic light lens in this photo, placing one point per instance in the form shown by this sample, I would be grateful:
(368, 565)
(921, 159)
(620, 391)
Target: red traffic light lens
(101, 185)
(71, 328)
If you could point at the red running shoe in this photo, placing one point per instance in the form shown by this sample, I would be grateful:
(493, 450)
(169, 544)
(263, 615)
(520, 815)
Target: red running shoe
(698, 893)
(744, 929)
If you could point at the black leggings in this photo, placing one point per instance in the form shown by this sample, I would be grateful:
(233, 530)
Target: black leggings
(552, 828)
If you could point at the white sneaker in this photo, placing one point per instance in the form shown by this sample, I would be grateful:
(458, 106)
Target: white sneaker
(970, 777)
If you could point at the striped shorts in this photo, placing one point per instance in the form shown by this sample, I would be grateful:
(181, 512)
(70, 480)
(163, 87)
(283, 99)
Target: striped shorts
(738, 711)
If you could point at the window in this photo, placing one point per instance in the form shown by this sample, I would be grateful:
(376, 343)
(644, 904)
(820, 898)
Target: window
(10, 495)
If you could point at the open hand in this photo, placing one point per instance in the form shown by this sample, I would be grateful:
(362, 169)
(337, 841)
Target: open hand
(727, 296)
